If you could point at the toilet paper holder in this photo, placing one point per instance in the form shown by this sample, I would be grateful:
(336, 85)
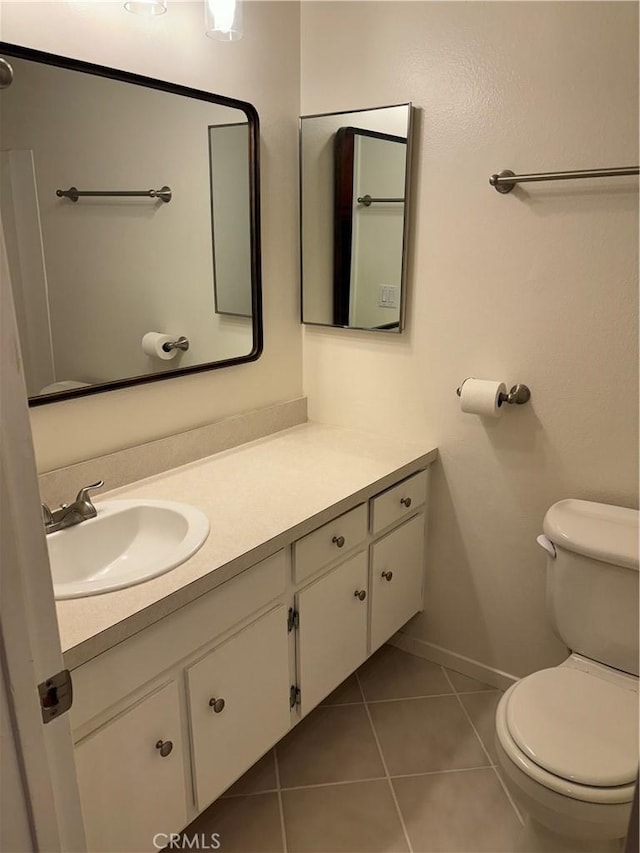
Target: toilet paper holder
(517, 395)
(181, 343)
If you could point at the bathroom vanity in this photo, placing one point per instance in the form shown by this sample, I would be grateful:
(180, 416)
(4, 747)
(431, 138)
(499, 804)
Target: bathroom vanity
(315, 558)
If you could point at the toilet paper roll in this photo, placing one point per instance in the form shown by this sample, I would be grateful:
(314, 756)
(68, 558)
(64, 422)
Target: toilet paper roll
(482, 397)
(152, 344)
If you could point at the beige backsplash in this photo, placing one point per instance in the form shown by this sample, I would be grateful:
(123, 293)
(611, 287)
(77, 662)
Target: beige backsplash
(135, 463)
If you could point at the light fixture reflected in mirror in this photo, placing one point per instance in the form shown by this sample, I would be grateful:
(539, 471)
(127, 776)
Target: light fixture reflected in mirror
(223, 19)
(146, 7)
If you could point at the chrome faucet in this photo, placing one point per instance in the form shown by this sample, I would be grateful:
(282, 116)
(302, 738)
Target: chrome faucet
(69, 514)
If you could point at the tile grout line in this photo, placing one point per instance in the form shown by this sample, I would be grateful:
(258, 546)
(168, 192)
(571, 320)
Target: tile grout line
(226, 796)
(406, 698)
(484, 749)
(357, 781)
(382, 778)
(384, 765)
(283, 829)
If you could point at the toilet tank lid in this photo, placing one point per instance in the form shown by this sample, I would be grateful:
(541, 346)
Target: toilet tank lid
(601, 531)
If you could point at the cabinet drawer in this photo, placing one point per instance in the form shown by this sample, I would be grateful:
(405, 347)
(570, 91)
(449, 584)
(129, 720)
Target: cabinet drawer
(129, 791)
(397, 572)
(332, 637)
(399, 501)
(238, 703)
(328, 542)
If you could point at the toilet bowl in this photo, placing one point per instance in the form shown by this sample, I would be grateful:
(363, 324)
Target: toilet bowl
(63, 385)
(567, 737)
(567, 743)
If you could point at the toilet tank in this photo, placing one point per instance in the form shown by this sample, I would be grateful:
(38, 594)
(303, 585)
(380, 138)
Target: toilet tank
(592, 582)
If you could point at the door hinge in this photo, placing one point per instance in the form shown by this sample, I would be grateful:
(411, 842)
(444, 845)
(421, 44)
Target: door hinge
(294, 696)
(56, 695)
(293, 620)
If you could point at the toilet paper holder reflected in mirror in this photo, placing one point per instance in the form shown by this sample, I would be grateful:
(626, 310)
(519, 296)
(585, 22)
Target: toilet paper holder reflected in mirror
(518, 394)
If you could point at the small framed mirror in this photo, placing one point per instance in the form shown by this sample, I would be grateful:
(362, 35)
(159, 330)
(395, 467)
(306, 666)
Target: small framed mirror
(131, 216)
(354, 192)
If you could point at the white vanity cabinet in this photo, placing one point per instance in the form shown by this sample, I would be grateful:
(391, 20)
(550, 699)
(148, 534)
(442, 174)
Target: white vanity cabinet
(226, 676)
(131, 776)
(238, 703)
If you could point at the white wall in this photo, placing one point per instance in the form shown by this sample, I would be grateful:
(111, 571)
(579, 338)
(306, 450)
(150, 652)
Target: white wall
(173, 47)
(539, 286)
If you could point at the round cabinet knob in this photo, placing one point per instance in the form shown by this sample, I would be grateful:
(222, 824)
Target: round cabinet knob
(406, 502)
(387, 575)
(164, 747)
(217, 705)
(361, 594)
(338, 540)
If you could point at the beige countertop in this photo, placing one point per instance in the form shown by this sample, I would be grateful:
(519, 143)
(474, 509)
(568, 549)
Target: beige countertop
(259, 497)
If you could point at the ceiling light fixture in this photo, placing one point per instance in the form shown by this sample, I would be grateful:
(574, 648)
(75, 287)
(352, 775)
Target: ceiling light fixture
(149, 8)
(223, 19)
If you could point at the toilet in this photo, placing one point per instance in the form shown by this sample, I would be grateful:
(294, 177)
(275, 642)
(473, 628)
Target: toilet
(567, 737)
(63, 385)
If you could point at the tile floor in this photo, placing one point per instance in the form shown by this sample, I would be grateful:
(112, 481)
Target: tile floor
(399, 758)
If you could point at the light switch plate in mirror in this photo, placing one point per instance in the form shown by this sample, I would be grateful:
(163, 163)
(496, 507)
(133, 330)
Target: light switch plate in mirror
(129, 206)
(355, 178)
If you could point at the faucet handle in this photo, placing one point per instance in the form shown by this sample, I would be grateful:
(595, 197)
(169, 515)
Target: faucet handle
(83, 494)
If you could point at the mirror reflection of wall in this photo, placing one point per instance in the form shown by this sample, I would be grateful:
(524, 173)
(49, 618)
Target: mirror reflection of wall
(353, 179)
(231, 218)
(92, 277)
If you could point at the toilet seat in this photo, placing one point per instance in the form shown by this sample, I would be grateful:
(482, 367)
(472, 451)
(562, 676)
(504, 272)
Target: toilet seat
(562, 718)
(521, 757)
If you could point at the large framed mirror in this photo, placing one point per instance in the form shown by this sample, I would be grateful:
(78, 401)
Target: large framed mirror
(131, 218)
(354, 192)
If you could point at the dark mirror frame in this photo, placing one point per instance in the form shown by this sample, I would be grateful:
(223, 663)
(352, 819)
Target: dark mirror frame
(19, 52)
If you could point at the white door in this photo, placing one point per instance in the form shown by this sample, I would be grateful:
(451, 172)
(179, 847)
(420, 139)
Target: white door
(31, 653)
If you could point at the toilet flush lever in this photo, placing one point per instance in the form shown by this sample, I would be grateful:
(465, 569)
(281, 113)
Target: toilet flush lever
(547, 544)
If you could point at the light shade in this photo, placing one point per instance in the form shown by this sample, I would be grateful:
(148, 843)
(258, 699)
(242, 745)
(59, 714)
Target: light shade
(223, 19)
(146, 7)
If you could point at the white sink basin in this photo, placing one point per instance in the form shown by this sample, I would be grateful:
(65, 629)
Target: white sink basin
(129, 541)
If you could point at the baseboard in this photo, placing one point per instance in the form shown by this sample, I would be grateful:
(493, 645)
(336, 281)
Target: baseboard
(452, 660)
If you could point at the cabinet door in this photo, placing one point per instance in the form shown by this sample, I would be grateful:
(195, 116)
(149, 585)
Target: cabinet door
(130, 789)
(332, 638)
(239, 703)
(397, 570)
